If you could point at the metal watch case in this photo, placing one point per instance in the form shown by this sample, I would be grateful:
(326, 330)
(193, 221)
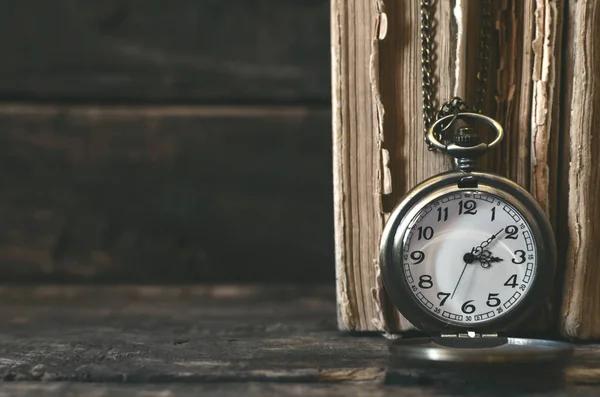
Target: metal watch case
(391, 258)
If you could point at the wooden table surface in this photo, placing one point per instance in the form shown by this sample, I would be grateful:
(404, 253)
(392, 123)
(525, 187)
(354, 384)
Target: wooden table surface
(221, 340)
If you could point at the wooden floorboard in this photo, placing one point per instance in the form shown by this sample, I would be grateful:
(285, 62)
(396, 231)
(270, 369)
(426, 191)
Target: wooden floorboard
(221, 340)
(253, 389)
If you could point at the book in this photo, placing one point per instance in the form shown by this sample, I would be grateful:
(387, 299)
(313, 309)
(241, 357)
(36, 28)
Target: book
(378, 147)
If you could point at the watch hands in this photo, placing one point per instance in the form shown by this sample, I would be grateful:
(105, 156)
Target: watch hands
(460, 278)
(477, 251)
(486, 259)
(482, 255)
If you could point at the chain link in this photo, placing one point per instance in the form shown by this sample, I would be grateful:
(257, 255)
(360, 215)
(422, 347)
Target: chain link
(484, 53)
(427, 52)
(454, 105)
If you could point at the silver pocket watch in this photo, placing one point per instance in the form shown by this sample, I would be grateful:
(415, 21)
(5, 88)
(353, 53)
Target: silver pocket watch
(466, 256)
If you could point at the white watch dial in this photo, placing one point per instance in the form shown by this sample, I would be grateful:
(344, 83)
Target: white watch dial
(469, 257)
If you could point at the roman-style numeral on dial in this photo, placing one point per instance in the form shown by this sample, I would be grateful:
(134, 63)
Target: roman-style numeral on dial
(492, 300)
(512, 281)
(511, 232)
(442, 214)
(520, 257)
(443, 296)
(426, 233)
(468, 207)
(417, 257)
(468, 307)
(425, 281)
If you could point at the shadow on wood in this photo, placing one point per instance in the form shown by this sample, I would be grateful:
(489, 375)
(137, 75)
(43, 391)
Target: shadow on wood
(165, 194)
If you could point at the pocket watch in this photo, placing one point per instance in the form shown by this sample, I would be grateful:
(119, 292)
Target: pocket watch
(469, 255)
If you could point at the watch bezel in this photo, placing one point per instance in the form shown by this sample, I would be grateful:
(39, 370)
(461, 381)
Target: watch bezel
(391, 261)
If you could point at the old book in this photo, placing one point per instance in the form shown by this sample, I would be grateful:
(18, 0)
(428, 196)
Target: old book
(581, 187)
(378, 147)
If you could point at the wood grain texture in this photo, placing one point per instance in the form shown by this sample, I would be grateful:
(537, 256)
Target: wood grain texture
(547, 134)
(525, 62)
(165, 194)
(527, 101)
(184, 50)
(180, 334)
(516, 31)
(205, 338)
(581, 308)
(71, 389)
(547, 60)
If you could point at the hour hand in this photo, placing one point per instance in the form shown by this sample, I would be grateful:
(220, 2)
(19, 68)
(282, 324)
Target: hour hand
(486, 259)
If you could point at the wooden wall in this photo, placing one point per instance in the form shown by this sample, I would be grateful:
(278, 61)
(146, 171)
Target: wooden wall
(152, 141)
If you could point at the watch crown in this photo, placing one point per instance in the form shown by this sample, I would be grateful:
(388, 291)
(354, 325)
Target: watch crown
(465, 136)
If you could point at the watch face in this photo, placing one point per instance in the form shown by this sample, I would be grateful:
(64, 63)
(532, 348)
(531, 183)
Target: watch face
(468, 257)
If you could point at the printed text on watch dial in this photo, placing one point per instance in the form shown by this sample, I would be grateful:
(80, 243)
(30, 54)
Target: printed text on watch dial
(469, 257)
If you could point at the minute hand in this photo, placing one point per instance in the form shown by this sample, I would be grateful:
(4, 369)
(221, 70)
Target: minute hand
(479, 250)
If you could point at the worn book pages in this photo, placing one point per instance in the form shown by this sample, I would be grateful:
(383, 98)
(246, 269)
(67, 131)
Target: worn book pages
(379, 152)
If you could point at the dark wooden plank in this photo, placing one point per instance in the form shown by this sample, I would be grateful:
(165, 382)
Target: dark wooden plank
(210, 50)
(248, 389)
(155, 194)
(193, 334)
(219, 335)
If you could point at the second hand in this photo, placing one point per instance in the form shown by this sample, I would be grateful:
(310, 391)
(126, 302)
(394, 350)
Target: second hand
(460, 278)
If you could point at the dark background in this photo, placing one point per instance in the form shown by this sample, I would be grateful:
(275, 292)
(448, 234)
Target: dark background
(165, 141)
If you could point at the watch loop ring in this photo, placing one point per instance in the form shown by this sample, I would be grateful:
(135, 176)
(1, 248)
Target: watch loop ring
(466, 115)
